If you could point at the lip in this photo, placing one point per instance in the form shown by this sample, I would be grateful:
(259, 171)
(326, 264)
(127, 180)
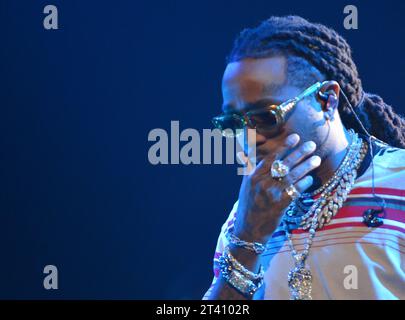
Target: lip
(258, 144)
(261, 149)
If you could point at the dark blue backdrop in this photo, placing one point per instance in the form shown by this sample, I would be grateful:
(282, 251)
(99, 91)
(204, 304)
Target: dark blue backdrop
(77, 190)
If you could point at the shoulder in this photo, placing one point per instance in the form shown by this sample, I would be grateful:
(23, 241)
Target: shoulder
(387, 169)
(390, 157)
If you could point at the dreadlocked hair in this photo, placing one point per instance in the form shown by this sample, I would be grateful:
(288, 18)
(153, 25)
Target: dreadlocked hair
(313, 45)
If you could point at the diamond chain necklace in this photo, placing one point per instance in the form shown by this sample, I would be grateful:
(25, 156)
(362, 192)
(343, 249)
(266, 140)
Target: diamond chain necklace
(333, 194)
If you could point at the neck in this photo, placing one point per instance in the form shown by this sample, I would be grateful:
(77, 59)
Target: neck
(332, 152)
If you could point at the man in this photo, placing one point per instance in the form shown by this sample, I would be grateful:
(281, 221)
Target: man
(322, 215)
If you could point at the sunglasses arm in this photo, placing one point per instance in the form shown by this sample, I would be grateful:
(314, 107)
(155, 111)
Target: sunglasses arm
(281, 111)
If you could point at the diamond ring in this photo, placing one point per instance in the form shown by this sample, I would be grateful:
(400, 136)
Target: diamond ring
(279, 170)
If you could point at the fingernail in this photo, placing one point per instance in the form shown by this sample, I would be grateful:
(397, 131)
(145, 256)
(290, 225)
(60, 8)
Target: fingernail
(316, 160)
(309, 146)
(293, 139)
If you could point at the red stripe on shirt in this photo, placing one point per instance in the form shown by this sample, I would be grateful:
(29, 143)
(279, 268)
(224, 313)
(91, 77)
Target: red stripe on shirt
(338, 243)
(349, 224)
(387, 191)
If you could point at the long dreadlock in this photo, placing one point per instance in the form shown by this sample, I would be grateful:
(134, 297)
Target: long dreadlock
(315, 45)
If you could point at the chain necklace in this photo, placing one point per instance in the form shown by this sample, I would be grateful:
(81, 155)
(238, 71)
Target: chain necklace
(332, 196)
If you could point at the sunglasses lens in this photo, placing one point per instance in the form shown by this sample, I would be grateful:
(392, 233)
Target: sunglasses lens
(263, 120)
(228, 124)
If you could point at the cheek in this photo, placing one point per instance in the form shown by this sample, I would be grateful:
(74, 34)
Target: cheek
(305, 117)
(309, 124)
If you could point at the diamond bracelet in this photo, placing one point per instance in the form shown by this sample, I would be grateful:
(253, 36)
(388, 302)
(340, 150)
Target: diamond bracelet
(235, 274)
(256, 247)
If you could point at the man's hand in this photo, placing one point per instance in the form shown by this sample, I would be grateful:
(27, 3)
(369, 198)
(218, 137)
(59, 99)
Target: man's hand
(262, 199)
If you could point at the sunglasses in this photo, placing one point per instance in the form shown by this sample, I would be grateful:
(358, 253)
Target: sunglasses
(263, 119)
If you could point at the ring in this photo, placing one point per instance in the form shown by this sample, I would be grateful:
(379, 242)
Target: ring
(292, 192)
(279, 169)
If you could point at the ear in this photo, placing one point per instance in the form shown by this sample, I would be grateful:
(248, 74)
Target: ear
(328, 95)
(328, 88)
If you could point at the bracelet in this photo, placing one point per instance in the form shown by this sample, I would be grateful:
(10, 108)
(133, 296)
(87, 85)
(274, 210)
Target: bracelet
(256, 247)
(230, 260)
(237, 281)
(234, 273)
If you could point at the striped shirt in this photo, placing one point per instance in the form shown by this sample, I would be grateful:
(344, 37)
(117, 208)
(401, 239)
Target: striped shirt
(347, 259)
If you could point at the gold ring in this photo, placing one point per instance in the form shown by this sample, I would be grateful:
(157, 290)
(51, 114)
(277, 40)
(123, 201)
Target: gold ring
(292, 192)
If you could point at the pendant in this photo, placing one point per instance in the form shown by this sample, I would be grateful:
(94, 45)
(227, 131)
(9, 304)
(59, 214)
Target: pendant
(300, 283)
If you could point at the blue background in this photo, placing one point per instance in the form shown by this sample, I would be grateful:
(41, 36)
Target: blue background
(77, 104)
